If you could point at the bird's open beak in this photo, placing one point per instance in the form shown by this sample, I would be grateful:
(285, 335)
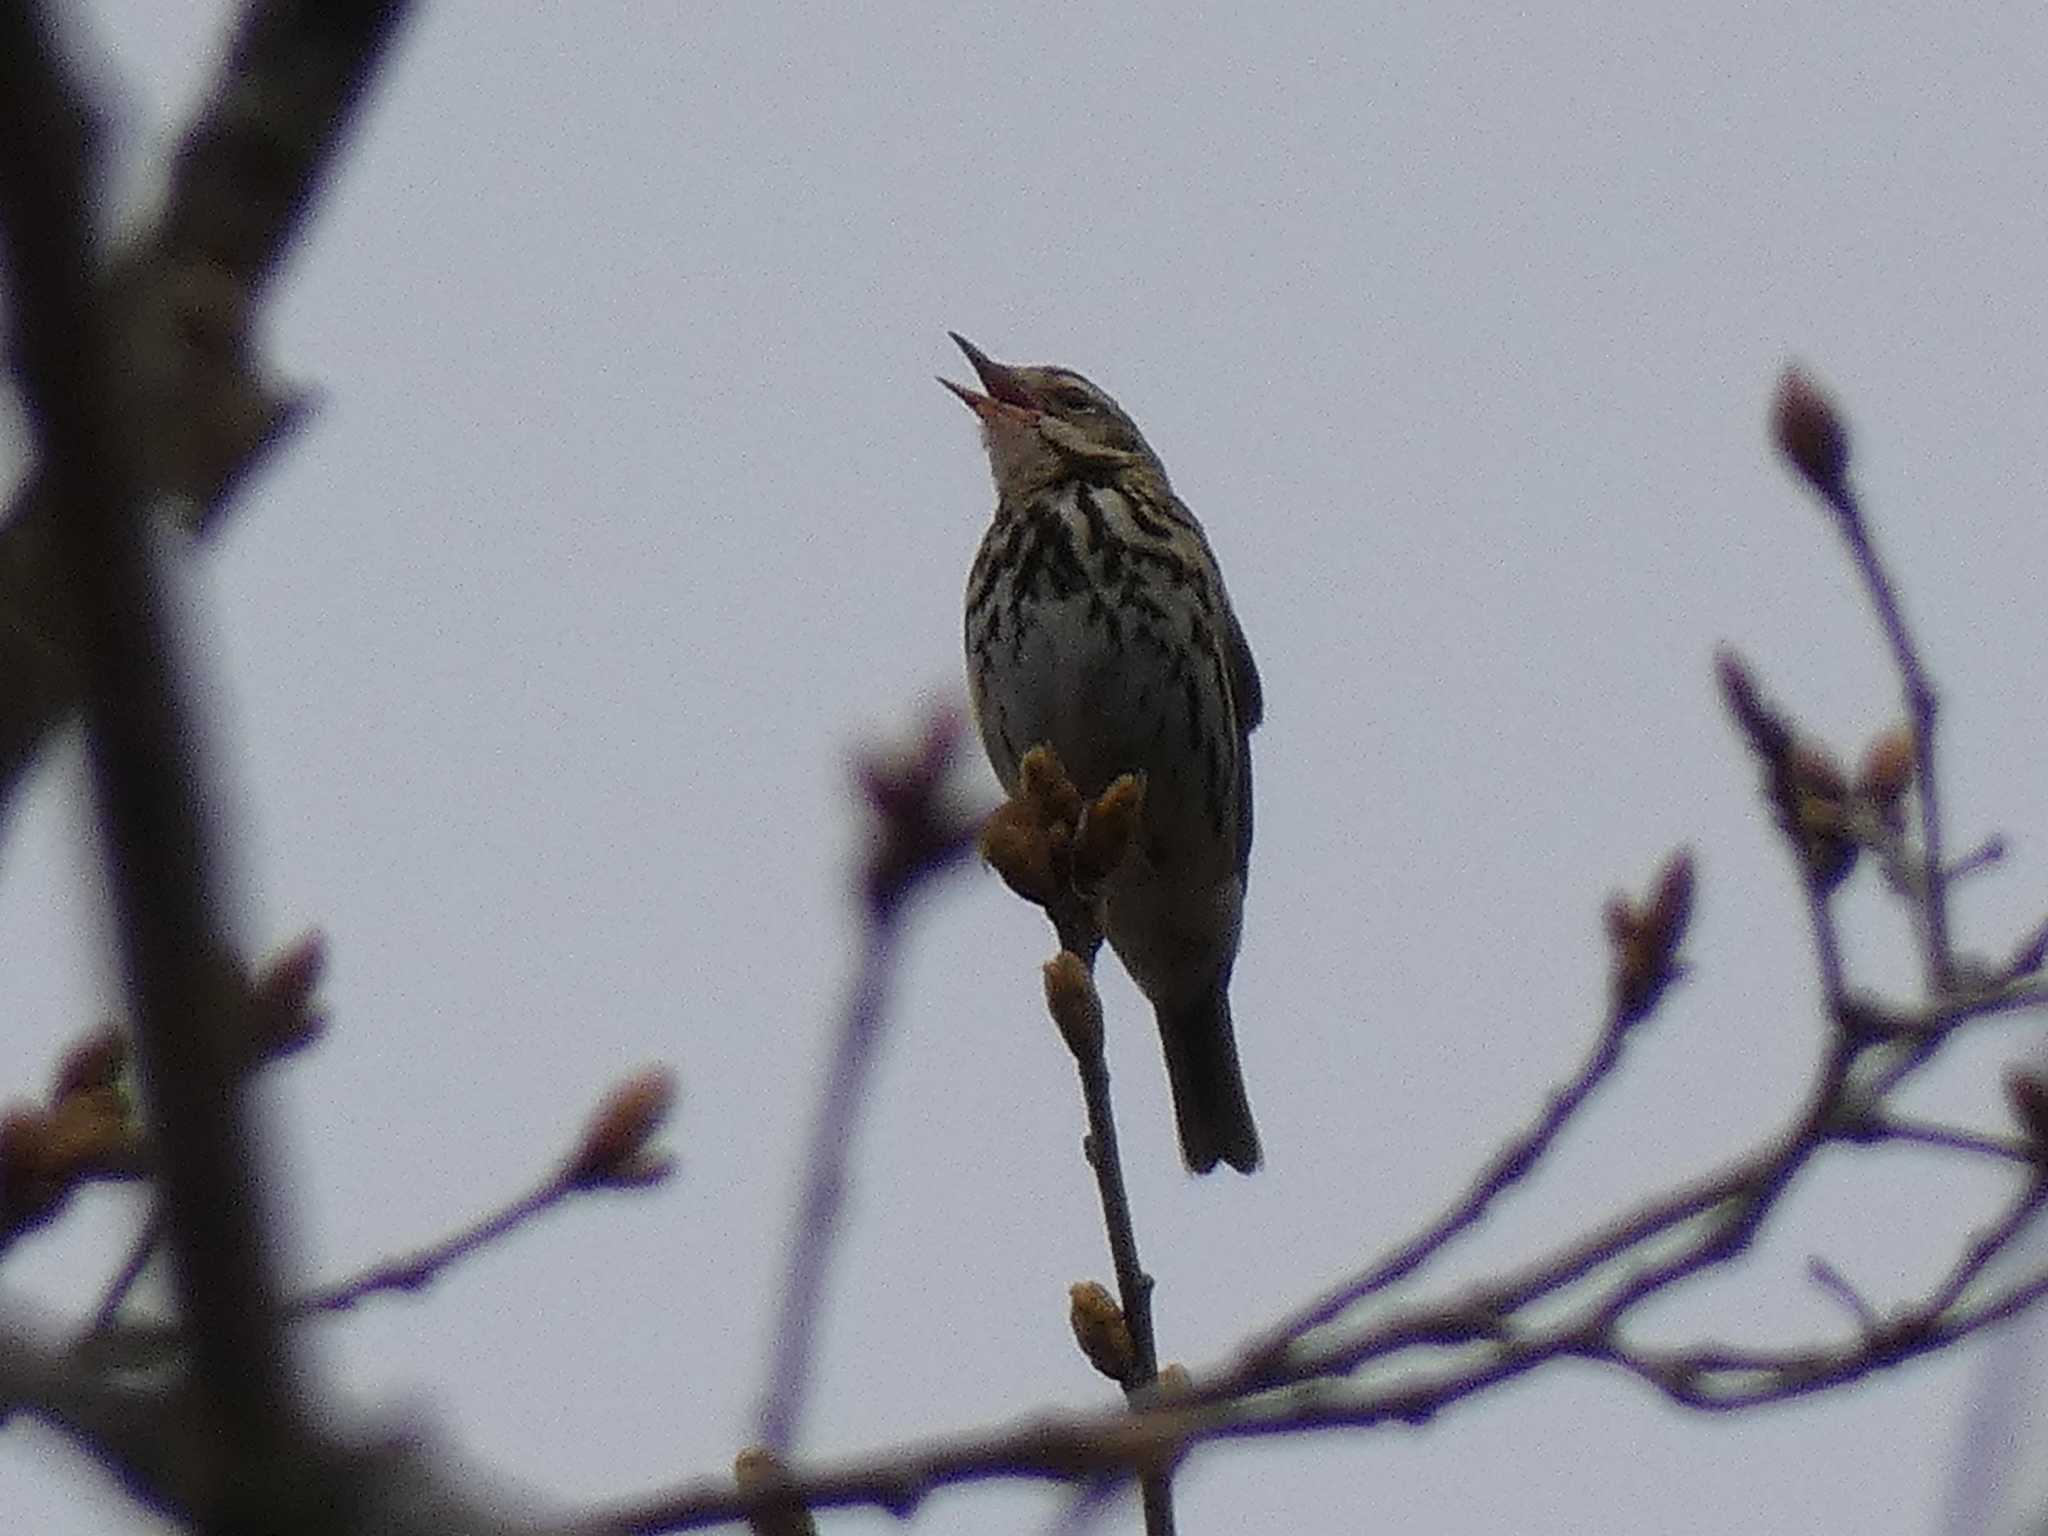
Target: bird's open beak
(1003, 386)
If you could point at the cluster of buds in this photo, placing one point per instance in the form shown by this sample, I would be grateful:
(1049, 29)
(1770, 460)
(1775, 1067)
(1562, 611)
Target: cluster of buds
(1047, 842)
(918, 831)
(1644, 939)
(90, 1127)
(1828, 816)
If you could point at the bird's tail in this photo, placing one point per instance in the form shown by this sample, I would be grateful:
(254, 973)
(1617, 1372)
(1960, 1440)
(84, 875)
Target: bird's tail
(1209, 1103)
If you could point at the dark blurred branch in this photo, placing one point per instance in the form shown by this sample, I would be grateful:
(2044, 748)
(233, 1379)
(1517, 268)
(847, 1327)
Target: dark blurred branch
(178, 309)
(288, 90)
(138, 385)
(918, 834)
(146, 779)
(148, 1439)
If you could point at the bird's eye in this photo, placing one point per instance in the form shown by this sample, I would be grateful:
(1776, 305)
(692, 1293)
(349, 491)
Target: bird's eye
(1079, 402)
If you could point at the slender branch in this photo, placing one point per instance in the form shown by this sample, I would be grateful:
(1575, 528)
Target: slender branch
(824, 1194)
(1508, 1167)
(1827, 948)
(1987, 1246)
(415, 1271)
(1921, 705)
(1076, 1007)
(1954, 1139)
(140, 1252)
(1837, 1285)
(919, 833)
(1134, 1285)
(1085, 1449)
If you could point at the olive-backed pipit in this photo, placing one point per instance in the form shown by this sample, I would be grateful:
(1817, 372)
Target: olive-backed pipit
(1097, 623)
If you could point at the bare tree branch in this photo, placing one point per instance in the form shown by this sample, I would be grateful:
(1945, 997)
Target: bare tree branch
(147, 779)
(179, 309)
(917, 835)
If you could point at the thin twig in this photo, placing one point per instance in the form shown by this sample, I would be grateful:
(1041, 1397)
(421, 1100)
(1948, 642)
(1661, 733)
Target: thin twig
(919, 833)
(414, 1271)
(1508, 1167)
(1953, 1139)
(1134, 1285)
(1922, 706)
(1837, 1285)
(1087, 1448)
(824, 1194)
(1987, 1245)
(140, 1252)
(1827, 948)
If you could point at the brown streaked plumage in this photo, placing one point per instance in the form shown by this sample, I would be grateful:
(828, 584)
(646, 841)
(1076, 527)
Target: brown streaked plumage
(1097, 622)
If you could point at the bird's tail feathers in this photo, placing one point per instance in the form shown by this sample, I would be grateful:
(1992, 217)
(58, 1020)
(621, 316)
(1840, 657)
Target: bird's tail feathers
(1209, 1103)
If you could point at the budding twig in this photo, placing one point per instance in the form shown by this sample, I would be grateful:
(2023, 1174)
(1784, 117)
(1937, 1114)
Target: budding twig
(918, 834)
(1814, 439)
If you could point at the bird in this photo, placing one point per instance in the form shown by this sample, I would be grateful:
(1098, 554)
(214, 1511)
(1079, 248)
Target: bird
(1097, 623)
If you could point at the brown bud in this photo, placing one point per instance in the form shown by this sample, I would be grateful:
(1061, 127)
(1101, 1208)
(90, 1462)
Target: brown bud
(1887, 771)
(757, 1469)
(94, 1134)
(1769, 737)
(1101, 1331)
(28, 1192)
(1042, 780)
(1643, 941)
(1075, 1005)
(1669, 912)
(917, 830)
(281, 996)
(1813, 803)
(1632, 983)
(614, 1152)
(1621, 920)
(1815, 771)
(2027, 1093)
(1809, 432)
(1014, 841)
(97, 1061)
(1108, 828)
(1174, 1381)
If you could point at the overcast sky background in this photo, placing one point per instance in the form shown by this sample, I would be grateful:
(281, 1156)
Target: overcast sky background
(632, 510)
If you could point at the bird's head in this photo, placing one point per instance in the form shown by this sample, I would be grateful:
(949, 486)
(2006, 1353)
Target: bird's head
(1044, 425)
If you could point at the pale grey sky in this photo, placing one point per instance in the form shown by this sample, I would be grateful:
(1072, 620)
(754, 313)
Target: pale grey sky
(632, 509)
